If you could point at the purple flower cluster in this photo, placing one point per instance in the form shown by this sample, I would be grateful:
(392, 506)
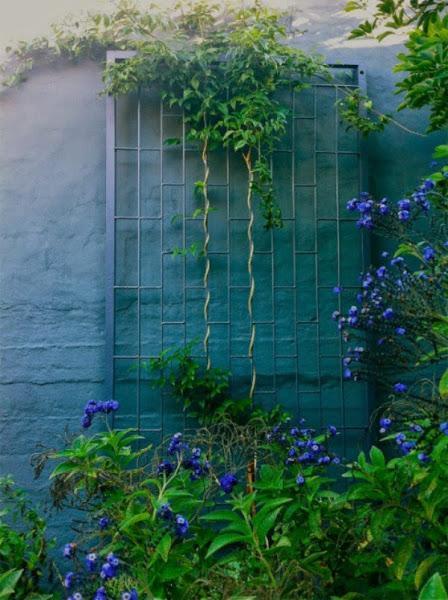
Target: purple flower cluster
(303, 447)
(109, 570)
(416, 439)
(192, 460)
(176, 445)
(179, 523)
(198, 465)
(371, 211)
(352, 355)
(93, 407)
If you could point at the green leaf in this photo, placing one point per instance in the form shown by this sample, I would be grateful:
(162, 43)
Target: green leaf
(225, 540)
(377, 457)
(264, 521)
(139, 518)
(422, 570)
(164, 546)
(402, 557)
(441, 151)
(8, 582)
(443, 385)
(222, 515)
(434, 589)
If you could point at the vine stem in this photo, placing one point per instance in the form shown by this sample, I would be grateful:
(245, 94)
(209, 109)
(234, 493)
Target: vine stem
(204, 158)
(250, 353)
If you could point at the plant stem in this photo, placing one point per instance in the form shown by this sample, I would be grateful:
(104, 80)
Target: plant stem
(250, 353)
(204, 157)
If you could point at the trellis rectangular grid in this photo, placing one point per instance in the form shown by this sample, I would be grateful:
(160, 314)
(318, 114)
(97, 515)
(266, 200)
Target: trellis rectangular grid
(155, 300)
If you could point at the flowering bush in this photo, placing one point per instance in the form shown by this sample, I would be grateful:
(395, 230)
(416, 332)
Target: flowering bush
(397, 330)
(255, 510)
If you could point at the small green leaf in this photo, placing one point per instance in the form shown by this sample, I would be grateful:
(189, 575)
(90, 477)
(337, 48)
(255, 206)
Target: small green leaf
(422, 570)
(164, 546)
(225, 540)
(443, 385)
(377, 457)
(434, 589)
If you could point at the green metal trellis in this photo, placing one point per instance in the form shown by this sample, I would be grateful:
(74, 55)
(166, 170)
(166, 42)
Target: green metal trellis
(155, 300)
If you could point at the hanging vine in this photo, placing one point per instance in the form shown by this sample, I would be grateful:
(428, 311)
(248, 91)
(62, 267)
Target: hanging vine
(224, 68)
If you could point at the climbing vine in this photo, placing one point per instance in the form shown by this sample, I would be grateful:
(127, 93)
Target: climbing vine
(223, 68)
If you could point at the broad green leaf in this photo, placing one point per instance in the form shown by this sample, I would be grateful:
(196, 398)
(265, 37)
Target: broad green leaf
(443, 386)
(8, 582)
(434, 589)
(402, 557)
(164, 546)
(422, 570)
(225, 540)
(441, 151)
(377, 457)
(139, 518)
(222, 515)
(263, 523)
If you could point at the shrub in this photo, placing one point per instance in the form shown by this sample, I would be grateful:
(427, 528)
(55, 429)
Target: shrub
(23, 545)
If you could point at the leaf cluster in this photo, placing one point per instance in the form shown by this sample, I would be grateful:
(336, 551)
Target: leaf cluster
(24, 545)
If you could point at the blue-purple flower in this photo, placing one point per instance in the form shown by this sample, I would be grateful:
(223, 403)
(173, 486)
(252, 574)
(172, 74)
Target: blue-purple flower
(110, 567)
(300, 479)
(423, 457)
(388, 314)
(429, 253)
(444, 428)
(165, 467)
(181, 526)
(132, 595)
(165, 512)
(91, 562)
(385, 424)
(103, 523)
(400, 388)
(69, 550)
(227, 482)
(69, 579)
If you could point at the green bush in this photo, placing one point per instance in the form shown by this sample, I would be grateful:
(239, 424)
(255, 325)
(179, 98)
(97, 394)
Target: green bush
(23, 545)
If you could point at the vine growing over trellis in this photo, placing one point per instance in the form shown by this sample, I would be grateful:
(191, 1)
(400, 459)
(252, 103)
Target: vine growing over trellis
(223, 67)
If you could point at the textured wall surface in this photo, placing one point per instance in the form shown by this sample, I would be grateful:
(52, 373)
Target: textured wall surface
(51, 258)
(52, 221)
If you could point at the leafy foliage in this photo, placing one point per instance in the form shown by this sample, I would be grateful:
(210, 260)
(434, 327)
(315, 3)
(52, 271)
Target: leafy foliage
(201, 391)
(358, 112)
(426, 65)
(23, 545)
(426, 61)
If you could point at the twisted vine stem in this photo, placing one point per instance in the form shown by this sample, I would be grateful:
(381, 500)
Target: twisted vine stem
(204, 157)
(250, 352)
